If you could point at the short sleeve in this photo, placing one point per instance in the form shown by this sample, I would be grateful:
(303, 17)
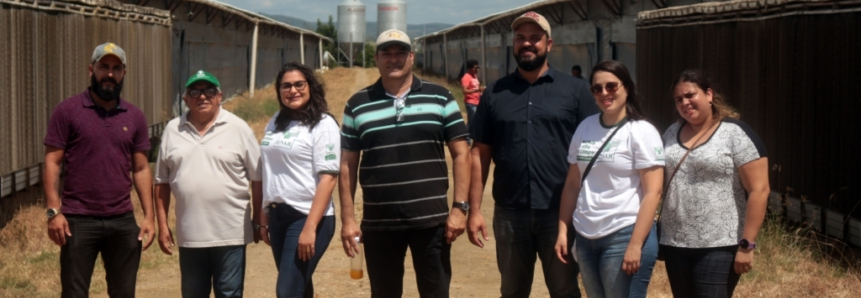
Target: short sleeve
(327, 144)
(58, 129)
(574, 148)
(480, 128)
(465, 81)
(162, 166)
(647, 145)
(746, 145)
(252, 153)
(142, 133)
(454, 127)
(350, 140)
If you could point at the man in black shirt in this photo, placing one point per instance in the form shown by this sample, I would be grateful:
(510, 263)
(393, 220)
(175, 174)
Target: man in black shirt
(524, 122)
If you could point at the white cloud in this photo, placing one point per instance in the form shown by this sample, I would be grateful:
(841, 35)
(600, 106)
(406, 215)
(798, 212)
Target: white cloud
(418, 11)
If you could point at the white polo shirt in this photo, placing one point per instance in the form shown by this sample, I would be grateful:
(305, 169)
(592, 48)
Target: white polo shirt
(610, 196)
(209, 176)
(293, 159)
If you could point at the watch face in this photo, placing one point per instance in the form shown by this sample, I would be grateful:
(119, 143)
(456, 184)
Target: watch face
(51, 213)
(744, 243)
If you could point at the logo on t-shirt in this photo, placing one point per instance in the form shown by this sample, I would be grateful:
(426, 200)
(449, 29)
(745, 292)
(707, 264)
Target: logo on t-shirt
(330, 152)
(588, 148)
(659, 153)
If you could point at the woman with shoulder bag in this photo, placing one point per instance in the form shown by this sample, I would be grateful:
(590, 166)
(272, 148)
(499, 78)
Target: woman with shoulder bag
(716, 199)
(612, 208)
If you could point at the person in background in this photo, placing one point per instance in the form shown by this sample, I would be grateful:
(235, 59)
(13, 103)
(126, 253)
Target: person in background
(715, 204)
(471, 89)
(300, 164)
(524, 123)
(208, 158)
(101, 138)
(400, 126)
(577, 72)
(613, 210)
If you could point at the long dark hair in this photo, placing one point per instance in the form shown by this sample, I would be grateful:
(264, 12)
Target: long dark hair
(316, 107)
(632, 105)
(720, 108)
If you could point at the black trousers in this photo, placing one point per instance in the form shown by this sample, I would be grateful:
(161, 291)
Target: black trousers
(385, 252)
(116, 238)
(701, 272)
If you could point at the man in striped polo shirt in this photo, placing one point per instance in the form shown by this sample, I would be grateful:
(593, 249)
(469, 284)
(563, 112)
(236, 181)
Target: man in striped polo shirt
(400, 124)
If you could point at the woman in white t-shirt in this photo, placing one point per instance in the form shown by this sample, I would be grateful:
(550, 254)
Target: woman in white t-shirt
(300, 159)
(613, 210)
(716, 202)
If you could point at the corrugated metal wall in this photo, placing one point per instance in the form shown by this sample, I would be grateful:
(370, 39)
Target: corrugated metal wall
(43, 59)
(794, 80)
(584, 33)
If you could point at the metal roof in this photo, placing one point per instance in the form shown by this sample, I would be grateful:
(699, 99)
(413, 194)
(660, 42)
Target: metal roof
(495, 17)
(254, 17)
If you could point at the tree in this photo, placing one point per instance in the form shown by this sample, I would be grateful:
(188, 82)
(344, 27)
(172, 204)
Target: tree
(329, 30)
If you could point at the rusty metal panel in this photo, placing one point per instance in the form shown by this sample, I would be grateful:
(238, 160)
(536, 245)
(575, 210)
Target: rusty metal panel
(791, 79)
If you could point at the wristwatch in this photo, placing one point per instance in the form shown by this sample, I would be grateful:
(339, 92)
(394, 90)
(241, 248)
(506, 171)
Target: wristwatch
(746, 244)
(258, 226)
(52, 212)
(461, 205)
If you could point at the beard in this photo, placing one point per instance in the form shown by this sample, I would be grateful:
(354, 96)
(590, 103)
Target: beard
(106, 94)
(530, 65)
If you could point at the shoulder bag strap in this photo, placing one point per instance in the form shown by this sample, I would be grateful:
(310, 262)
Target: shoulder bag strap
(595, 157)
(678, 165)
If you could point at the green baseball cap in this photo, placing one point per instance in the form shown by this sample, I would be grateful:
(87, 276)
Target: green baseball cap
(202, 76)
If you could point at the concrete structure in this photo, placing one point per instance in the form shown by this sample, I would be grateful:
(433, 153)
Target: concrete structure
(585, 32)
(351, 28)
(391, 14)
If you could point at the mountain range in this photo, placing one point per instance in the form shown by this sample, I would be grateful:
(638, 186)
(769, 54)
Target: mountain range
(413, 30)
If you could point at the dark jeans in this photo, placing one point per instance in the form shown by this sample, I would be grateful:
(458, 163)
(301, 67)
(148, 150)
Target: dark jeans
(116, 238)
(520, 235)
(385, 252)
(294, 275)
(701, 272)
(219, 269)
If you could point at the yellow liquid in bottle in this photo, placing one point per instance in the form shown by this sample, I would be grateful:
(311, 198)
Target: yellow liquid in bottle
(356, 274)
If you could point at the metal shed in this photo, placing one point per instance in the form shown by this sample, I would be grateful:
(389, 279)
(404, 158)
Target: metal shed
(787, 66)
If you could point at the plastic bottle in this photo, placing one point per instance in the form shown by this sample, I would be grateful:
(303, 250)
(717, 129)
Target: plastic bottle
(356, 271)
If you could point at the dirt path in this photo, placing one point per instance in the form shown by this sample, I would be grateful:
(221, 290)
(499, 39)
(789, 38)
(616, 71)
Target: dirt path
(474, 269)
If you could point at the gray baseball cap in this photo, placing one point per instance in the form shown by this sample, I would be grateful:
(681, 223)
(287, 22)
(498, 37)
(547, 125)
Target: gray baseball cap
(108, 48)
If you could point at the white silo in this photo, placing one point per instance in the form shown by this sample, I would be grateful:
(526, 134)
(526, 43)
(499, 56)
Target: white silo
(351, 27)
(391, 14)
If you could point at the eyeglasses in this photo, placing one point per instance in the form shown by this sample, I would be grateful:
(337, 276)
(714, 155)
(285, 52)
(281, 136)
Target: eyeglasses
(611, 87)
(300, 85)
(209, 92)
(399, 117)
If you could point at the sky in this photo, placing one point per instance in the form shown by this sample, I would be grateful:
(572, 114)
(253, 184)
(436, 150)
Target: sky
(418, 11)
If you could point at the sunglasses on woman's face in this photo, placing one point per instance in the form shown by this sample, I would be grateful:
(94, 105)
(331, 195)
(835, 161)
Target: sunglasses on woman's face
(610, 87)
(300, 85)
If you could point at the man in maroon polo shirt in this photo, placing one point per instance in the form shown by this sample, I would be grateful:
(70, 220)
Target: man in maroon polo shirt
(101, 138)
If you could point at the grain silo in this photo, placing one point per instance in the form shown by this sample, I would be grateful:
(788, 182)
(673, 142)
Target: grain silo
(351, 27)
(391, 14)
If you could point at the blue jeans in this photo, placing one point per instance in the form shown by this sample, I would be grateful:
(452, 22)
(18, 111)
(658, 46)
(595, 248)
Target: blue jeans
(520, 235)
(220, 269)
(116, 238)
(470, 113)
(385, 252)
(294, 275)
(601, 264)
(701, 272)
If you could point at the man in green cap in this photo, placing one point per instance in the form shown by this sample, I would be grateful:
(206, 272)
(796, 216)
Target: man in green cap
(207, 158)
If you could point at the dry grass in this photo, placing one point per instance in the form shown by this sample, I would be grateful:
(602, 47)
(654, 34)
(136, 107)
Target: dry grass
(30, 265)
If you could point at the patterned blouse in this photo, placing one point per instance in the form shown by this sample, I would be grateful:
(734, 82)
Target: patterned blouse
(706, 203)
